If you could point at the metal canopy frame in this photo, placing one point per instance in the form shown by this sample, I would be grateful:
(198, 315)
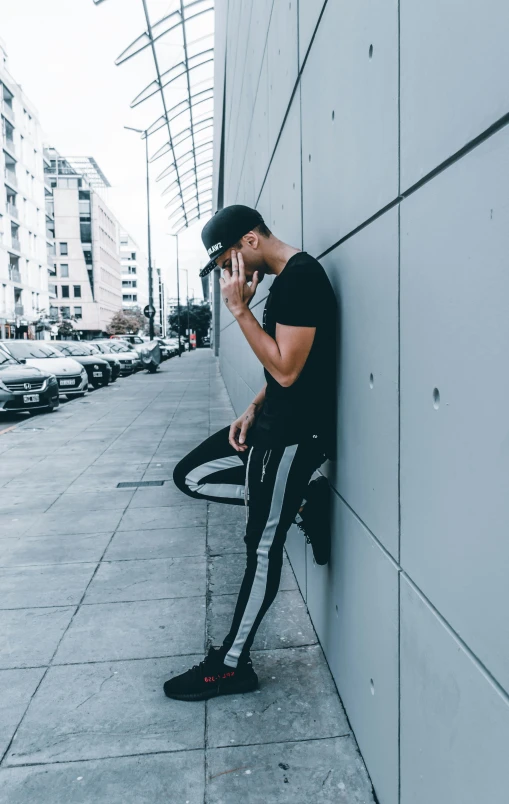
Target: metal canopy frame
(181, 47)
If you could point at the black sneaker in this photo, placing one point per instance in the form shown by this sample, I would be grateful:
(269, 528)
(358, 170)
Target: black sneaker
(211, 678)
(314, 519)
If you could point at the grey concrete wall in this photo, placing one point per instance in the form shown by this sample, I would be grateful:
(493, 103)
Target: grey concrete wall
(373, 135)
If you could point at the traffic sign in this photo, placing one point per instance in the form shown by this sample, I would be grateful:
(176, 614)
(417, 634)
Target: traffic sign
(149, 310)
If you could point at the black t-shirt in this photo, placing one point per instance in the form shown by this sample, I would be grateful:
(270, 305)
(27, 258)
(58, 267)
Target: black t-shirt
(302, 296)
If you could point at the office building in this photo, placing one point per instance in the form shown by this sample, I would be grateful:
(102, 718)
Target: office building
(23, 243)
(134, 273)
(86, 270)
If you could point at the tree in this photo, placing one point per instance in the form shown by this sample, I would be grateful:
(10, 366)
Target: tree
(126, 322)
(199, 320)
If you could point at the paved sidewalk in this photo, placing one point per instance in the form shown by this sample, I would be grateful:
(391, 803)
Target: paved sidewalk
(105, 592)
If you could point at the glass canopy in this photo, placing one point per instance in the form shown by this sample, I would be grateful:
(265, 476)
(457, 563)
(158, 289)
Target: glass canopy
(177, 46)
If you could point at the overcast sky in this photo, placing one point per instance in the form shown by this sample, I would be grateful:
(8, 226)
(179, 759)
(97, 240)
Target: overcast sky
(62, 52)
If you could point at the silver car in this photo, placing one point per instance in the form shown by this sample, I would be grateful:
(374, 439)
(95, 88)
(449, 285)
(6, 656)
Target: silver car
(71, 376)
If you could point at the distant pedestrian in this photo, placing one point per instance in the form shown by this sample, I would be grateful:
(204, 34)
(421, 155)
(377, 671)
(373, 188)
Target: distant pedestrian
(267, 458)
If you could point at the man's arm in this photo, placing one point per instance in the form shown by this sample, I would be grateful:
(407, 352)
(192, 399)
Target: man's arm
(283, 357)
(259, 399)
(239, 428)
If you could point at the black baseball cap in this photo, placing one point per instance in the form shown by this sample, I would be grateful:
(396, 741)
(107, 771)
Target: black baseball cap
(225, 229)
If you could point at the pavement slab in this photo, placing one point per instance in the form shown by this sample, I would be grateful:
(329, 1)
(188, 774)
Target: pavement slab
(57, 548)
(175, 778)
(148, 579)
(134, 630)
(21, 685)
(157, 543)
(164, 517)
(296, 698)
(286, 625)
(43, 585)
(227, 571)
(105, 593)
(109, 709)
(29, 637)
(325, 771)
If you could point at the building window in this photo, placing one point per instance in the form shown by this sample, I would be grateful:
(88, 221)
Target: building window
(63, 250)
(65, 291)
(131, 269)
(88, 256)
(133, 255)
(65, 312)
(77, 291)
(64, 270)
(78, 312)
(53, 269)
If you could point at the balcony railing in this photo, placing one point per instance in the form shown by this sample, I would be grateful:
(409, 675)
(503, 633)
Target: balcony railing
(8, 111)
(13, 211)
(15, 243)
(19, 309)
(14, 274)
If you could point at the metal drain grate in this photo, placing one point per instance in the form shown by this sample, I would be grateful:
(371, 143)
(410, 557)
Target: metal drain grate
(137, 483)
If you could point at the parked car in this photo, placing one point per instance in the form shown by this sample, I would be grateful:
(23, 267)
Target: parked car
(133, 339)
(114, 363)
(172, 345)
(205, 342)
(97, 368)
(71, 376)
(26, 388)
(126, 355)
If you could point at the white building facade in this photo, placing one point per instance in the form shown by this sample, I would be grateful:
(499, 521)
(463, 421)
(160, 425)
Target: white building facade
(134, 273)
(24, 249)
(86, 270)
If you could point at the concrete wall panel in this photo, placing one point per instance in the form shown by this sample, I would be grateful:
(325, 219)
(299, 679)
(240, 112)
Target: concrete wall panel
(309, 12)
(364, 274)
(296, 551)
(349, 120)
(455, 449)
(454, 722)
(259, 141)
(285, 181)
(282, 51)
(452, 89)
(353, 602)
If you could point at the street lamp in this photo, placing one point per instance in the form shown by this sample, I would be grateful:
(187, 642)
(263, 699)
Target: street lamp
(150, 289)
(187, 295)
(178, 290)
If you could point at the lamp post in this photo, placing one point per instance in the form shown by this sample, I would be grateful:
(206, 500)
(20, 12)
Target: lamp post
(150, 289)
(178, 289)
(187, 296)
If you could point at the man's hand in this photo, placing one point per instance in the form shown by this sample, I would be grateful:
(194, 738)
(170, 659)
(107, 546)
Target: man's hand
(239, 428)
(236, 292)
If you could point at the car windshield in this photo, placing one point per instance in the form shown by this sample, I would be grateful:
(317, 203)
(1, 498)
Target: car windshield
(102, 347)
(32, 349)
(6, 359)
(76, 349)
(120, 347)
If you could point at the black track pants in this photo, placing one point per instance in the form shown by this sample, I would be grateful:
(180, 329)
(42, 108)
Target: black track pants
(276, 486)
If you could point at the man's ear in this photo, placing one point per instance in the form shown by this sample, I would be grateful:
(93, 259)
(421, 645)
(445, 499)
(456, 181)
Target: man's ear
(251, 239)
